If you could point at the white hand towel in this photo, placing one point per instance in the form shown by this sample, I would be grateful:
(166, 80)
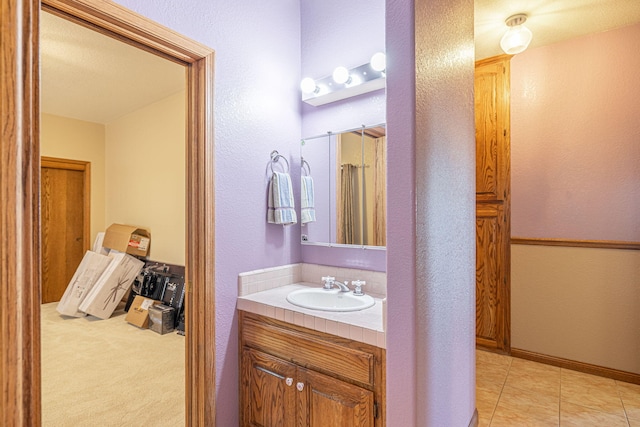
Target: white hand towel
(307, 203)
(281, 207)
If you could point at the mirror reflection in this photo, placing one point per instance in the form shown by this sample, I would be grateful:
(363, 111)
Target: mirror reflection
(343, 190)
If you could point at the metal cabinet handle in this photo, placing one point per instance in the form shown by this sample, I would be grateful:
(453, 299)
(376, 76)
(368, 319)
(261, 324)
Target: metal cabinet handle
(300, 386)
(289, 381)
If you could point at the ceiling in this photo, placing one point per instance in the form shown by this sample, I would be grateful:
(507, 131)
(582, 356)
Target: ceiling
(101, 79)
(550, 21)
(88, 76)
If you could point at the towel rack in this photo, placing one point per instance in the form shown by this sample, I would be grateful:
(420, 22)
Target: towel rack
(275, 156)
(306, 171)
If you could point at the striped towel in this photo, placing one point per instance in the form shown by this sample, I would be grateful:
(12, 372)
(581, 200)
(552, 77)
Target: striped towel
(281, 207)
(307, 203)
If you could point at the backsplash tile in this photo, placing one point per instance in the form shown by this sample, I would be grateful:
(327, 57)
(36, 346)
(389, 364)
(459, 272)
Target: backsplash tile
(270, 278)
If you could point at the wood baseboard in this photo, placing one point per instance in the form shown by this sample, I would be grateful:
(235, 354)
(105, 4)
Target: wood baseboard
(587, 368)
(474, 419)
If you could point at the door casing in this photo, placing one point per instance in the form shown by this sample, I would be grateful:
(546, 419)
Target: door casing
(20, 253)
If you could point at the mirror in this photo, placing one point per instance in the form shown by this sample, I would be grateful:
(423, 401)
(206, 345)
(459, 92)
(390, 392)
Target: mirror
(343, 188)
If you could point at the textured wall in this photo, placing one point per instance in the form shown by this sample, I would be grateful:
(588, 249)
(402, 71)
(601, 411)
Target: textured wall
(145, 174)
(440, 300)
(575, 138)
(401, 216)
(257, 109)
(336, 33)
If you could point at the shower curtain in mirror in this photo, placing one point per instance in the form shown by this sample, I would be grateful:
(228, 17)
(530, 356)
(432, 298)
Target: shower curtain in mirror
(348, 205)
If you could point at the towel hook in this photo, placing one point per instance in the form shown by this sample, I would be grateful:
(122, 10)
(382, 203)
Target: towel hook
(275, 156)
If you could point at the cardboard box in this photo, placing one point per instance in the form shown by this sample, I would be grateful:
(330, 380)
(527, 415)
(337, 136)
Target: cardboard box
(110, 288)
(138, 314)
(161, 318)
(128, 239)
(86, 276)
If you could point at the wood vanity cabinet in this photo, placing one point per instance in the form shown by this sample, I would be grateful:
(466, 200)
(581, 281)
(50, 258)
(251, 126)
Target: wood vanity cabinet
(296, 377)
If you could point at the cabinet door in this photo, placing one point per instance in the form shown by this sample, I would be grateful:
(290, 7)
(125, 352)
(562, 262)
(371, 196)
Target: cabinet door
(329, 402)
(268, 391)
(493, 201)
(492, 292)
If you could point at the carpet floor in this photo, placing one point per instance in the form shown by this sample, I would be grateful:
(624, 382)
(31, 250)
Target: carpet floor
(109, 373)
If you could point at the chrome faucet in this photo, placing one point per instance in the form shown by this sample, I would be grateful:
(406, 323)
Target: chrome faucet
(330, 281)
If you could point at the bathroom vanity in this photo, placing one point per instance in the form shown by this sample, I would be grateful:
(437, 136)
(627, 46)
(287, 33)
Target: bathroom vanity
(303, 367)
(294, 376)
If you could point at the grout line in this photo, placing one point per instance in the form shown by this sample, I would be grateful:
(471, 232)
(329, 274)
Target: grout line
(501, 390)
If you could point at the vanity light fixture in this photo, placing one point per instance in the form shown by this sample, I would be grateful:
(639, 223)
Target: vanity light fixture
(308, 85)
(345, 83)
(517, 37)
(378, 61)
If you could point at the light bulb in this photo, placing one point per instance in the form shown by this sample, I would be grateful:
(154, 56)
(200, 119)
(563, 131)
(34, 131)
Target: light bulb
(516, 39)
(341, 75)
(378, 61)
(308, 85)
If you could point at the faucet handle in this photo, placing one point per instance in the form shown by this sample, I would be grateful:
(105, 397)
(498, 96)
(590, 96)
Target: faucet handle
(358, 287)
(328, 281)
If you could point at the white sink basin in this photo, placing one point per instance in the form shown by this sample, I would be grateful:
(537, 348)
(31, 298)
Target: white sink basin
(329, 300)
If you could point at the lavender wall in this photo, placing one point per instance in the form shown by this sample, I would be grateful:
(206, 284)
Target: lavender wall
(401, 215)
(575, 138)
(336, 32)
(257, 109)
(431, 262)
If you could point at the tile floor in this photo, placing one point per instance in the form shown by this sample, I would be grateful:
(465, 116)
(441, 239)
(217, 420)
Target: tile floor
(514, 392)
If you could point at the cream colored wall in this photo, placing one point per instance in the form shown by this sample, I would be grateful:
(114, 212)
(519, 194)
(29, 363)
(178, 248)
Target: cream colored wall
(67, 138)
(580, 304)
(145, 175)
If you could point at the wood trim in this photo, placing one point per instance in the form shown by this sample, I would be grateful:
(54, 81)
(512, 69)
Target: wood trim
(493, 59)
(474, 420)
(82, 166)
(601, 244)
(20, 399)
(119, 22)
(200, 298)
(20, 222)
(629, 377)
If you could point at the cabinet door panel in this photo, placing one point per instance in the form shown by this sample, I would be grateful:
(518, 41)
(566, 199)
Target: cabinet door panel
(268, 399)
(491, 290)
(328, 402)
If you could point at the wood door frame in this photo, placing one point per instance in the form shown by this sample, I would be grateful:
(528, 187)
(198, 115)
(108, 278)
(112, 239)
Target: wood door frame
(85, 168)
(20, 251)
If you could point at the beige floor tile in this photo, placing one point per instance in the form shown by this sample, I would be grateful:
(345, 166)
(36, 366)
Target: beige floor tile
(507, 417)
(591, 391)
(518, 407)
(486, 401)
(634, 423)
(630, 395)
(572, 415)
(535, 377)
(491, 377)
(486, 357)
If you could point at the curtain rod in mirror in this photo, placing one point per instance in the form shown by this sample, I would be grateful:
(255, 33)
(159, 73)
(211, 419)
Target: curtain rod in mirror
(329, 133)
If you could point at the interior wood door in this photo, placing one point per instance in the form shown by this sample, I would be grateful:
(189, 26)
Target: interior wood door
(493, 200)
(64, 207)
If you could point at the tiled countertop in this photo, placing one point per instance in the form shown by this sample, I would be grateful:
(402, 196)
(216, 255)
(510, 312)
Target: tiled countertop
(363, 325)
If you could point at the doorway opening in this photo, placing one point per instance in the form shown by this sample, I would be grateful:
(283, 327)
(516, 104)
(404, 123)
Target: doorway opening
(21, 279)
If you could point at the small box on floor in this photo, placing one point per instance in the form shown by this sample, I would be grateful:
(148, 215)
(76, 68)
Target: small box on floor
(138, 314)
(161, 319)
